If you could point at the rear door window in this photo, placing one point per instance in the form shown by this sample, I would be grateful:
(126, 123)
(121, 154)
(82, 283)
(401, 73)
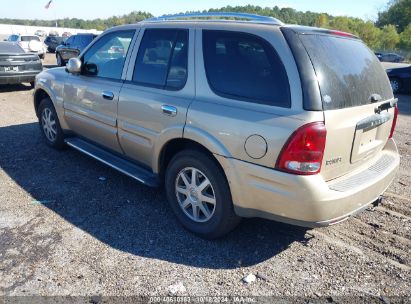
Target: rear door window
(162, 59)
(348, 72)
(245, 67)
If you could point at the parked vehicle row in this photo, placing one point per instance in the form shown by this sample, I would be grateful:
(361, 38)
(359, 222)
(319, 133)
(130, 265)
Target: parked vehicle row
(235, 119)
(29, 43)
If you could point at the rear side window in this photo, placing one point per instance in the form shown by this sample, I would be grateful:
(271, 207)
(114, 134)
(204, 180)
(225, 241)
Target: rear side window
(245, 67)
(348, 72)
(83, 40)
(30, 38)
(162, 59)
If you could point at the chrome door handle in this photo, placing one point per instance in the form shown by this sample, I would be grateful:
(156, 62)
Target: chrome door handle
(169, 110)
(108, 95)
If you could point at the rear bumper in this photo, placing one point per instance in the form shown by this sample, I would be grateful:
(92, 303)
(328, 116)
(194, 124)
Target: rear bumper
(308, 201)
(18, 78)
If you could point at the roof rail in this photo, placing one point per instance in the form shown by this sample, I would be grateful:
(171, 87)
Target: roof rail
(244, 16)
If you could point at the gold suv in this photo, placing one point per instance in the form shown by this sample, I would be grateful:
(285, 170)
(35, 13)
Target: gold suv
(245, 117)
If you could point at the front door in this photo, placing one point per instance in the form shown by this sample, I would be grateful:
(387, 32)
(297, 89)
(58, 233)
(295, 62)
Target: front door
(158, 91)
(91, 98)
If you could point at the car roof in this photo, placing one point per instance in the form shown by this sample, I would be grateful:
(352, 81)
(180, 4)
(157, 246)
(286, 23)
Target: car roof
(199, 19)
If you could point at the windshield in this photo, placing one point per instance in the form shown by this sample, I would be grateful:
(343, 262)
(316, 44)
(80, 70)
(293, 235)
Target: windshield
(348, 72)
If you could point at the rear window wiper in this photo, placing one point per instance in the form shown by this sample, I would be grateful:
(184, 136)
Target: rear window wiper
(386, 106)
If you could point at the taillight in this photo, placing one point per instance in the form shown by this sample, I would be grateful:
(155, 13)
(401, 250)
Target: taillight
(394, 121)
(303, 153)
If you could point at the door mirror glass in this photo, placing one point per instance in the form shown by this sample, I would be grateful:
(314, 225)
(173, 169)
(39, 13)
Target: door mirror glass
(90, 69)
(74, 66)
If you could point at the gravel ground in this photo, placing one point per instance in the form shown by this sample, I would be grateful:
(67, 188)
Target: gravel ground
(72, 226)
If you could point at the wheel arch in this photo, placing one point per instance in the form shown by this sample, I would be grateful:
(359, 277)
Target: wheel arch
(174, 146)
(41, 93)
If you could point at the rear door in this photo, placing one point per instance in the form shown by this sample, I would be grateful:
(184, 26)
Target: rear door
(356, 97)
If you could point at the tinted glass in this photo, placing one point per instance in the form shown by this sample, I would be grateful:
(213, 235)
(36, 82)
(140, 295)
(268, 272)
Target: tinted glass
(70, 40)
(83, 40)
(10, 48)
(245, 67)
(13, 38)
(347, 71)
(162, 59)
(30, 38)
(107, 56)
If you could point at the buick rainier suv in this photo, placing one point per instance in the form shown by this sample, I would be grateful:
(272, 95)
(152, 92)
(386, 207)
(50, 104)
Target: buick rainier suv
(246, 117)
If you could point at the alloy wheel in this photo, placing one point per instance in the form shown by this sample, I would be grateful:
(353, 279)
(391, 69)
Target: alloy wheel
(49, 125)
(195, 195)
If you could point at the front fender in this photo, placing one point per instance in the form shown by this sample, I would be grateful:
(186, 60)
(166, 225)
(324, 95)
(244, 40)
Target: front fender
(52, 83)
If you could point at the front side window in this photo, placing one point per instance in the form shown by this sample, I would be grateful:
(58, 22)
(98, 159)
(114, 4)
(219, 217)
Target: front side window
(107, 56)
(162, 59)
(245, 67)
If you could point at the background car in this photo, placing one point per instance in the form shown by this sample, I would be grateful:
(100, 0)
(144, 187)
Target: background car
(53, 33)
(379, 55)
(400, 79)
(67, 34)
(391, 57)
(17, 66)
(52, 42)
(72, 47)
(40, 33)
(29, 43)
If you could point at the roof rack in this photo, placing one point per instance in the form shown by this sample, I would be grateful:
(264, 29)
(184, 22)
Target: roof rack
(198, 16)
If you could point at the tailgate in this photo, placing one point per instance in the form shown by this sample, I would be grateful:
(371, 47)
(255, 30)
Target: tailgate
(354, 136)
(356, 98)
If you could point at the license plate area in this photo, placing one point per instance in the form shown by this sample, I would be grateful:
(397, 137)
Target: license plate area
(11, 69)
(370, 136)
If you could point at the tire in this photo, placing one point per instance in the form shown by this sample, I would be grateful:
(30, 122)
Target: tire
(52, 132)
(396, 85)
(60, 61)
(219, 218)
(32, 84)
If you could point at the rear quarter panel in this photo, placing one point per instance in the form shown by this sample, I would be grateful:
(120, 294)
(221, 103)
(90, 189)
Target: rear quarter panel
(223, 125)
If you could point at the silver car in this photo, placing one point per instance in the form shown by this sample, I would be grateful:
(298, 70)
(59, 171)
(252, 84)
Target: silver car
(245, 117)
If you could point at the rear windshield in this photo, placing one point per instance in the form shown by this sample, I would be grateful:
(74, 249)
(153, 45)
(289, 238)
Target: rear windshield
(347, 71)
(10, 48)
(30, 38)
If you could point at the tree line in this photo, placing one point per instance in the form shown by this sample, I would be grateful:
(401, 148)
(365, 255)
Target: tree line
(391, 31)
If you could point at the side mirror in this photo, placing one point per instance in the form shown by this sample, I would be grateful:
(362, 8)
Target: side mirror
(74, 66)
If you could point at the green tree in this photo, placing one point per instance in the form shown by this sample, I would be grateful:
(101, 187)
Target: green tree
(389, 37)
(405, 38)
(322, 20)
(398, 13)
(369, 33)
